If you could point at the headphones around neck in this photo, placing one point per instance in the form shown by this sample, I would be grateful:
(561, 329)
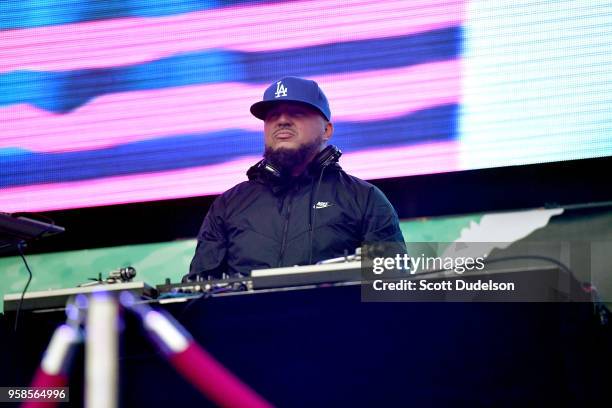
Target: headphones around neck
(324, 158)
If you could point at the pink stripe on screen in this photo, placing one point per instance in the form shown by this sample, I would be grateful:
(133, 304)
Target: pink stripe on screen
(131, 116)
(128, 41)
(374, 163)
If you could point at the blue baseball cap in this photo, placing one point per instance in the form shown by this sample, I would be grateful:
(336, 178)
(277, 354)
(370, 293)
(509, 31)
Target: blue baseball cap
(292, 89)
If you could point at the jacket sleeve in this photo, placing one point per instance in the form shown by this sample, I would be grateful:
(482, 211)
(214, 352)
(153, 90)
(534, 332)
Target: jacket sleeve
(381, 224)
(211, 249)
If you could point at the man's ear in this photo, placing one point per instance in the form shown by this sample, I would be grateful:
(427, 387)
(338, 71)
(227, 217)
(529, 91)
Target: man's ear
(329, 131)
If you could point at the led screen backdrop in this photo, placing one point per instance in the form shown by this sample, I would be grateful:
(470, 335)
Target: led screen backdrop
(116, 101)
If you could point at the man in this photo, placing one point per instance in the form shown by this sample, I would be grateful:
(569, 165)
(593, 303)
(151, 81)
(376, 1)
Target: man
(298, 206)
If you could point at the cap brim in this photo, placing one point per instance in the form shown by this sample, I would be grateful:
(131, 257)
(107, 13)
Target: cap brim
(261, 109)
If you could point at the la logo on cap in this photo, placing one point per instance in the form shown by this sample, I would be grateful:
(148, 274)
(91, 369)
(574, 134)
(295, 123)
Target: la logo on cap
(281, 90)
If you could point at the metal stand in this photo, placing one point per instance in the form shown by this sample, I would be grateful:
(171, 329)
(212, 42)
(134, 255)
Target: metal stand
(100, 314)
(102, 352)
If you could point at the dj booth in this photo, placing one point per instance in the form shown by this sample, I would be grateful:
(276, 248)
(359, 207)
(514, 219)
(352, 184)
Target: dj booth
(322, 345)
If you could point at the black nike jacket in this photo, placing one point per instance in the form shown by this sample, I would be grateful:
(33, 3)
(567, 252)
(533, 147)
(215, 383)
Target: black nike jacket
(269, 222)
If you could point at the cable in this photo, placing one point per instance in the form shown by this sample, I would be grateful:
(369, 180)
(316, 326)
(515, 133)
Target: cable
(20, 249)
(314, 213)
(310, 211)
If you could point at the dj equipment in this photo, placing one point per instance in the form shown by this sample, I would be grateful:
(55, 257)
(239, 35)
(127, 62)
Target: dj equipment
(271, 278)
(533, 283)
(260, 279)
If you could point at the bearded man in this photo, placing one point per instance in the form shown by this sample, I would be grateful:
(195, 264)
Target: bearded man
(298, 206)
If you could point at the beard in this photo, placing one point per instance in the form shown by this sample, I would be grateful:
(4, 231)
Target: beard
(286, 160)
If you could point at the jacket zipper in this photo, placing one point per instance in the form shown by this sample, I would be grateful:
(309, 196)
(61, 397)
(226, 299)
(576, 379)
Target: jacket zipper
(285, 230)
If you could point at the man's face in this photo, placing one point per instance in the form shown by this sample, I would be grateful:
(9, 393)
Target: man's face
(290, 126)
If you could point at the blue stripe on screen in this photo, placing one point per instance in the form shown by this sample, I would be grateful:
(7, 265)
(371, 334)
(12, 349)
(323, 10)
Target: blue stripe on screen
(184, 151)
(61, 92)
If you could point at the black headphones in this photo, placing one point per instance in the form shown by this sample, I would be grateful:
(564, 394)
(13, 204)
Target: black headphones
(324, 158)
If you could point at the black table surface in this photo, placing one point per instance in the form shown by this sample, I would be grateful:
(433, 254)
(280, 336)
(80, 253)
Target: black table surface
(325, 347)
